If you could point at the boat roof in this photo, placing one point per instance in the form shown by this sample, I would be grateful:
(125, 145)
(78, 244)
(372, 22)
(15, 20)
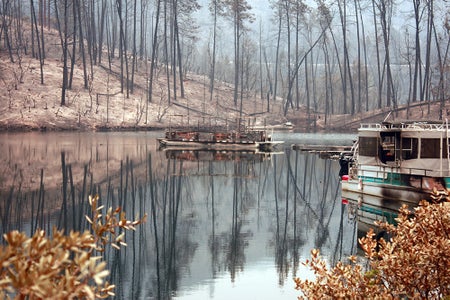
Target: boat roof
(407, 125)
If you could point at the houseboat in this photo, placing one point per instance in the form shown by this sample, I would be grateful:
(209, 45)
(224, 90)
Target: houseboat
(217, 138)
(392, 164)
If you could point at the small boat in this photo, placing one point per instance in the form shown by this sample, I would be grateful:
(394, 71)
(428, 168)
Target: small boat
(287, 126)
(218, 139)
(399, 163)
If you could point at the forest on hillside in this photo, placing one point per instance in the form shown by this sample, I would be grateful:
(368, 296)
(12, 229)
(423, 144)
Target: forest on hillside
(333, 57)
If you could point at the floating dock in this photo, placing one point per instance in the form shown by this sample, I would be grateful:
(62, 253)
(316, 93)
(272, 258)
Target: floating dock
(323, 150)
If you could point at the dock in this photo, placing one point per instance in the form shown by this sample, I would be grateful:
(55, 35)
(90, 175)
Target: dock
(328, 151)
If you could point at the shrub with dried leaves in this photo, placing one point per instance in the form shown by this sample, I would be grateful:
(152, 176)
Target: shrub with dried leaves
(413, 264)
(62, 266)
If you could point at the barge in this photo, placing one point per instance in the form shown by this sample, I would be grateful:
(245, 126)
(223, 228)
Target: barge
(216, 138)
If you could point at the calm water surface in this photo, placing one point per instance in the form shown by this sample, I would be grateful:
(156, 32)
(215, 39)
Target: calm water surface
(220, 225)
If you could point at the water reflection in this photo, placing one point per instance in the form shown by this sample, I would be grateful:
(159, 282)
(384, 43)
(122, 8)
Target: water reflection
(216, 220)
(217, 155)
(366, 210)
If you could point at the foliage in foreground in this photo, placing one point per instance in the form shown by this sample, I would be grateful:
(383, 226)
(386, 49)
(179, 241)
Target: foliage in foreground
(62, 266)
(414, 264)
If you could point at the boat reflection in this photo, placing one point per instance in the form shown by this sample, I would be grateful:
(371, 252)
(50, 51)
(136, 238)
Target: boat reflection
(366, 210)
(218, 155)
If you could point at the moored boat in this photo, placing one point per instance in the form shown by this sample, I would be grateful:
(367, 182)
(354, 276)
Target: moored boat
(401, 163)
(287, 126)
(218, 138)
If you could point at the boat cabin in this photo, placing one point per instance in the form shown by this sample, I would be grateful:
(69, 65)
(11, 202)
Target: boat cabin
(418, 147)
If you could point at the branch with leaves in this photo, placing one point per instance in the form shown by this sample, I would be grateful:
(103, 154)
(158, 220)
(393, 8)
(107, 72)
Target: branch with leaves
(413, 264)
(63, 266)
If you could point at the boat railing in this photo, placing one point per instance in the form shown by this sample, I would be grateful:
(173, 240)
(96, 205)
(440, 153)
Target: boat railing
(383, 171)
(371, 126)
(429, 126)
(406, 125)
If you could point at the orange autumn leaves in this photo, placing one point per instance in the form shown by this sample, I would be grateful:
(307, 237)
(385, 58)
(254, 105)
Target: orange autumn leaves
(62, 266)
(413, 264)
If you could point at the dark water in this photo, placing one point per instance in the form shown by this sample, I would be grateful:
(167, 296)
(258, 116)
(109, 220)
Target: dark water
(220, 225)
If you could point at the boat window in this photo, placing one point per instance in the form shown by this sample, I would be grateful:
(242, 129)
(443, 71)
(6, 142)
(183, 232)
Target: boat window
(368, 146)
(387, 147)
(430, 148)
(410, 148)
(445, 148)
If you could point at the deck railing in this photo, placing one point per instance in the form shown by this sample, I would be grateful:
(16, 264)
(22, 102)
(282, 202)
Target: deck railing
(382, 172)
(406, 125)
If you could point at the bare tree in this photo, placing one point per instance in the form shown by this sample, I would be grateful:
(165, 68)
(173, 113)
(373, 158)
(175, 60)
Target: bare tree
(154, 53)
(39, 41)
(101, 28)
(300, 9)
(143, 29)
(325, 21)
(64, 44)
(379, 82)
(133, 63)
(6, 23)
(358, 60)
(74, 44)
(427, 72)
(347, 75)
(215, 9)
(238, 11)
(279, 14)
(41, 22)
(385, 14)
(365, 73)
(123, 48)
(166, 56)
(442, 55)
(81, 43)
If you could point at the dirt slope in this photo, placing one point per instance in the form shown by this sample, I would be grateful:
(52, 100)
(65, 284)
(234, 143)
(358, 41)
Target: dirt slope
(28, 104)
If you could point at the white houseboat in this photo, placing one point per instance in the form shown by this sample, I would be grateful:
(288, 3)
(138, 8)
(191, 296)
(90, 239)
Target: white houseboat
(399, 163)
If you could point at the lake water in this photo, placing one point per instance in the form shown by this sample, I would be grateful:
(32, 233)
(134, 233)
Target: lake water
(220, 225)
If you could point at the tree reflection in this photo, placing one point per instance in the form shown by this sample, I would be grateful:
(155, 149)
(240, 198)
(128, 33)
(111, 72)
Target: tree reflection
(213, 241)
(309, 192)
(238, 240)
(206, 216)
(172, 232)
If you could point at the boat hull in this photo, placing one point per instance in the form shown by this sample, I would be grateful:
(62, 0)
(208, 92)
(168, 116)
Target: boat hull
(392, 196)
